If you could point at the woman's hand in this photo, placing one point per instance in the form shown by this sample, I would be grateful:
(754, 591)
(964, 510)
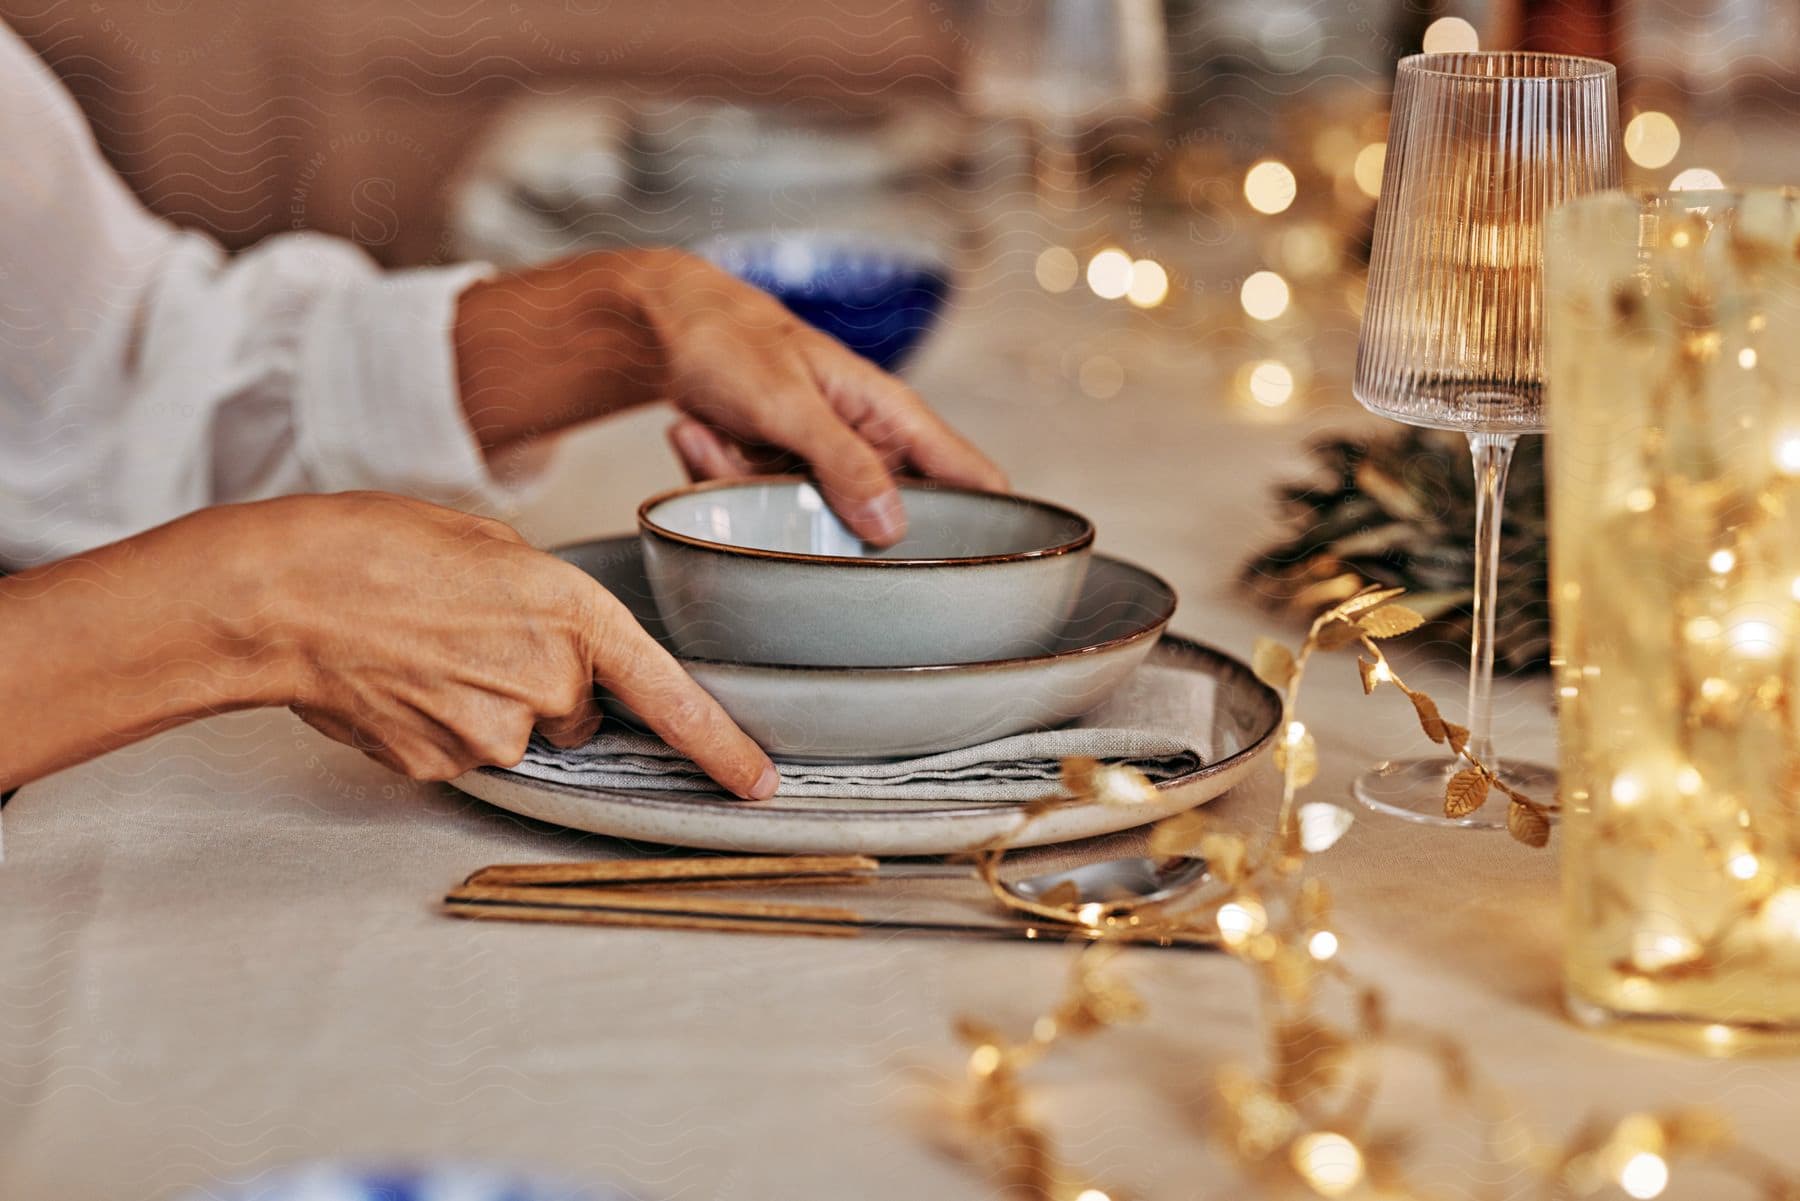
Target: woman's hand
(429, 639)
(758, 389)
(436, 642)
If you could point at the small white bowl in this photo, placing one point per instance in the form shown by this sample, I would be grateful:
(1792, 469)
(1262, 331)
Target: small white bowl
(760, 570)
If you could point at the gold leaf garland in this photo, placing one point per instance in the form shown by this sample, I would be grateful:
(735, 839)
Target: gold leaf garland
(1304, 1121)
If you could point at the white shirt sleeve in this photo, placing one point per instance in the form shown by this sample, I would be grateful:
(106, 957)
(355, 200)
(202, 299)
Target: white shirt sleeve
(144, 374)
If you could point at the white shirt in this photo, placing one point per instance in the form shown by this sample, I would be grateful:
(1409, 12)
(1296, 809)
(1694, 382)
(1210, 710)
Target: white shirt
(143, 374)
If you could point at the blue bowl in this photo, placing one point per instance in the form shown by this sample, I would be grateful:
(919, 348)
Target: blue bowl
(334, 1180)
(877, 296)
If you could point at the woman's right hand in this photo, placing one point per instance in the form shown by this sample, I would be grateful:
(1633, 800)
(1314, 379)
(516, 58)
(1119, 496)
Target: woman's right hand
(435, 641)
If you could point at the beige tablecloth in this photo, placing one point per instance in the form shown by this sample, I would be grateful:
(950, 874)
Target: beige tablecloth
(219, 950)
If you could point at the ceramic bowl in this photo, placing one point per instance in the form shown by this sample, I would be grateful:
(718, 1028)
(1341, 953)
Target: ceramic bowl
(824, 714)
(877, 295)
(760, 570)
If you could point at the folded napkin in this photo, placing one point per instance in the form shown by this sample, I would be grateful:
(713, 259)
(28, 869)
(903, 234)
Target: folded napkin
(1160, 722)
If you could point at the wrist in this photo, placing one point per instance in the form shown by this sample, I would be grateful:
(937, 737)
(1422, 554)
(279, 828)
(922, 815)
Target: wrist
(540, 350)
(220, 568)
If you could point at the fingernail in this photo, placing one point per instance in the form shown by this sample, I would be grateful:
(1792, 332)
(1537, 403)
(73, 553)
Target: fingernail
(885, 518)
(766, 784)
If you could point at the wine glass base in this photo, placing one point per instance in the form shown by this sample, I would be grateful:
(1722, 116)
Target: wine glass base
(1413, 790)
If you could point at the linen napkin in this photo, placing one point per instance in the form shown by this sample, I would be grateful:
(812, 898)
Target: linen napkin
(1161, 722)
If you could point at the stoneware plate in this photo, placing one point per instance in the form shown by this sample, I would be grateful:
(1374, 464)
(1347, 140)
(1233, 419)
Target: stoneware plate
(855, 714)
(1246, 714)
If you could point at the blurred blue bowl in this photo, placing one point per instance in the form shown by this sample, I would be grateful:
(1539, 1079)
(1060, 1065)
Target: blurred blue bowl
(335, 1180)
(878, 296)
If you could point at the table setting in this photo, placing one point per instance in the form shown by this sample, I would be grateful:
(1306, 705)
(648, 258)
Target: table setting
(1301, 926)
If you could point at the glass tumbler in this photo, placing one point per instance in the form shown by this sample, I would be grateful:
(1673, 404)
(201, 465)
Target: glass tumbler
(1673, 337)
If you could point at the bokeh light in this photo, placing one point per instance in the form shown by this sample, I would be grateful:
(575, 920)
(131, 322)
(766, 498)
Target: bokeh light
(1306, 248)
(1787, 454)
(1370, 161)
(1329, 1162)
(1332, 145)
(1451, 35)
(1270, 383)
(1264, 295)
(1109, 273)
(1645, 1175)
(1652, 139)
(1101, 377)
(1149, 284)
(1057, 269)
(1696, 179)
(1270, 186)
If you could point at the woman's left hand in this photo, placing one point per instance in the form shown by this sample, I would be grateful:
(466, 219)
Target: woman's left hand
(758, 389)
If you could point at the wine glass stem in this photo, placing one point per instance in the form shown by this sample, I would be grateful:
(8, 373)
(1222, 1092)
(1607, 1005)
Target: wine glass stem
(1492, 454)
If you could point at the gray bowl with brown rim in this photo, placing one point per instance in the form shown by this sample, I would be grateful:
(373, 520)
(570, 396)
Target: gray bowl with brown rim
(760, 570)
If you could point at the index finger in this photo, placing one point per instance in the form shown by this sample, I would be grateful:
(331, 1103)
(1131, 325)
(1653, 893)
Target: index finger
(886, 411)
(633, 667)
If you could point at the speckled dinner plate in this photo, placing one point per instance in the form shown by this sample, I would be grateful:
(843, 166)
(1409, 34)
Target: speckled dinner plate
(1246, 714)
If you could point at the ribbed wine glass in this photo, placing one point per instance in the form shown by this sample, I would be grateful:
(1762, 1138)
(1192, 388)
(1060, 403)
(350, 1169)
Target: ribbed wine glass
(1480, 147)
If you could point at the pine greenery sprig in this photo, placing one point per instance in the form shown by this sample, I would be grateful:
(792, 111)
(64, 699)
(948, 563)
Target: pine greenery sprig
(1398, 510)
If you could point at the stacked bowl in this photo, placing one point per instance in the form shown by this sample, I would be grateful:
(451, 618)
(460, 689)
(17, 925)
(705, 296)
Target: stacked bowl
(992, 617)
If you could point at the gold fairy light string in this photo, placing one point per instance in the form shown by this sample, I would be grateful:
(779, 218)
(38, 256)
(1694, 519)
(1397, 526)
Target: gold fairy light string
(1305, 1119)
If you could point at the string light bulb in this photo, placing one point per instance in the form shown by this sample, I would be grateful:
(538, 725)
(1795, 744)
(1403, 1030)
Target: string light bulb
(1149, 285)
(1239, 921)
(1696, 179)
(1645, 1175)
(1270, 186)
(1328, 1162)
(1652, 139)
(1370, 162)
(1451, 35)
(1057, 269)
(1270, 383)
(1264, 295)
(1109, 273)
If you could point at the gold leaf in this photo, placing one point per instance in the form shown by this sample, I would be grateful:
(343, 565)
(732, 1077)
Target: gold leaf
(1371, 1013)
(1078, 776)
(1390, 621)
(1273, 664)
(1696, 1131)
(1101, 1000)
(1321, 825)
(1457, 736)
(1313, 906)
(1527, 825)
(1430, 720)
(1292, 972)
(1307, 1057)
(1303, 755)
(1064, 896)
(1178, 835)
(1466, 792)
(1225, 855)
(1368, 670)
(1120, 784)
(1365, 600)
(1336, 635)
(977, 1033)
